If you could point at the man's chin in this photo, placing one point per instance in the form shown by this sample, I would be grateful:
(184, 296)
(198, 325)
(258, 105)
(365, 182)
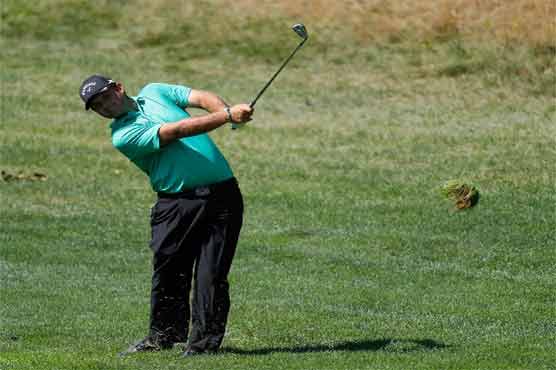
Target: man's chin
(110, 115)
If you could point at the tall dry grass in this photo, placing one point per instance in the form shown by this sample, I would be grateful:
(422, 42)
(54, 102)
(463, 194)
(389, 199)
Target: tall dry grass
(531, 22)
(528, 22)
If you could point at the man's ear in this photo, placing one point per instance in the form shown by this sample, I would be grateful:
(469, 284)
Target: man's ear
(119, 87)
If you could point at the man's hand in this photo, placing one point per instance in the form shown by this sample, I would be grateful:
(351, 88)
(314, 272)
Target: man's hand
(241, 113)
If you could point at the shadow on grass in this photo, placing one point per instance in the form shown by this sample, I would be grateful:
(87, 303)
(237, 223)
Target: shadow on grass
(388, 345)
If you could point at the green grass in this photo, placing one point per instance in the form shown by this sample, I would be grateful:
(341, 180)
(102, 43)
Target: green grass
(349, 258)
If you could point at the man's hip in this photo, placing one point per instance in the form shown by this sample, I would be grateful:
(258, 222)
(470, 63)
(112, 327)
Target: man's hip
(203, 191)
(191, 215)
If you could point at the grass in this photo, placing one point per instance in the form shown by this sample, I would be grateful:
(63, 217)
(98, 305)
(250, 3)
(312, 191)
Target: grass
(349, 258)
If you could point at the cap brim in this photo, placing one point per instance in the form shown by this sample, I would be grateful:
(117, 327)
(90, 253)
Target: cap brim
(87, 103)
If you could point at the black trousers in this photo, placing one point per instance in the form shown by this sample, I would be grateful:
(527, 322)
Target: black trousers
(194, 238)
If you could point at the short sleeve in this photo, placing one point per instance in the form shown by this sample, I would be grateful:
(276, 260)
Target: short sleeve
(136, 140)
(179, 94)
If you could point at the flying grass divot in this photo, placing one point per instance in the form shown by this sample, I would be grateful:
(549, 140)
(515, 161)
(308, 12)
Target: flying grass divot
(463, 194)
(20, 176)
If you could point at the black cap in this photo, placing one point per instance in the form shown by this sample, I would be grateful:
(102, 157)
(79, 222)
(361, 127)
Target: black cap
(92, 86)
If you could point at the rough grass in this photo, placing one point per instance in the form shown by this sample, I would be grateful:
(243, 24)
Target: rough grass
(526, 21)
(509, 39)
(349, 258)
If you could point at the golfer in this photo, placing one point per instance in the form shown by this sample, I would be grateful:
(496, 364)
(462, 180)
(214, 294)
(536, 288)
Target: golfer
(197, 217)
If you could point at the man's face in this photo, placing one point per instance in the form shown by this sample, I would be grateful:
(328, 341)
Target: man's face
(109, 103)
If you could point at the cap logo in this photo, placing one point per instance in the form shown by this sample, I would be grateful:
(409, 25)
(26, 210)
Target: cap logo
(88, 88)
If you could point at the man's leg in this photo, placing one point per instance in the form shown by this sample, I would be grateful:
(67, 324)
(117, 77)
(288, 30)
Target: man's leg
(171, 284)
(211, 300)
(177, 228)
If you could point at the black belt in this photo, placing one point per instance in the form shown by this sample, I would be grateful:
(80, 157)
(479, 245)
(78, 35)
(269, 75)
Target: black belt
(199, 191)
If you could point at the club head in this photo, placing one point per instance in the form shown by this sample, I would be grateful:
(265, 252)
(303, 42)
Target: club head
(300, 30)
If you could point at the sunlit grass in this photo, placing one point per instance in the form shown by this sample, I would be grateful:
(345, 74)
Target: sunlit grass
(349, 257)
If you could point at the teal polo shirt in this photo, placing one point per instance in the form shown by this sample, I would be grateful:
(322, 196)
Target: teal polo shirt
(183, 164)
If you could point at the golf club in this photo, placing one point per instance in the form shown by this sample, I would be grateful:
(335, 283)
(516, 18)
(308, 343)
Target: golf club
(301, 31)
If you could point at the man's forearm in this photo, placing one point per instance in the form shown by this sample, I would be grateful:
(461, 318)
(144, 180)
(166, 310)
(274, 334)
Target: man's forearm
(191, 126)
(215, 104)
(239, 113)
(206, 100)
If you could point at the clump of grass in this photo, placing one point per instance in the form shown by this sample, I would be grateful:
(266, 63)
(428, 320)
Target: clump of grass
(464, 194)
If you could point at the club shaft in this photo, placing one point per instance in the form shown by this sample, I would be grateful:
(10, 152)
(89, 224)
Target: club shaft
(276, 74)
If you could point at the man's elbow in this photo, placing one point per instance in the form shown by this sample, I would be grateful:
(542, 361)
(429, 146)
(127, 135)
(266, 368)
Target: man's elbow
(167, 134)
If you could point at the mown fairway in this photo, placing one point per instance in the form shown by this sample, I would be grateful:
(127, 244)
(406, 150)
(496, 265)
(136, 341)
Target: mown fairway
(349, 257)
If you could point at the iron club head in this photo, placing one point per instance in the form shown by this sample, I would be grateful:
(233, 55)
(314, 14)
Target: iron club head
(300, 30)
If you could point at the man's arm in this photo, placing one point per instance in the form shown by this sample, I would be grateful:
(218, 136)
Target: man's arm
(217, 117)
(206, 100)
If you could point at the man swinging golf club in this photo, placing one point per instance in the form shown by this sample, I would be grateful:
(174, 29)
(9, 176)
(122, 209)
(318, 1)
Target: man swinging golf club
(198, 215)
